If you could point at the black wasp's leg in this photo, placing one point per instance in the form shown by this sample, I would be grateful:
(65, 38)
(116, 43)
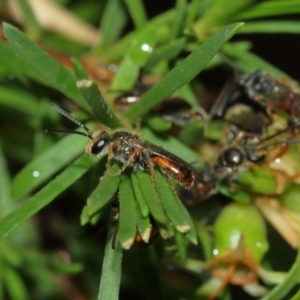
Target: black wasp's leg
(228, 94)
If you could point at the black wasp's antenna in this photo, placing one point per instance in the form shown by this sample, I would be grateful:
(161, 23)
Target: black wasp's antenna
(286, 142)
(89, 134)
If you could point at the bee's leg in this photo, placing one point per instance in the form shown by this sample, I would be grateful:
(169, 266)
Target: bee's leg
(115, 219)
(114, 239)
(167, 178)
(108, 162)
(125, 165)
(151, 170)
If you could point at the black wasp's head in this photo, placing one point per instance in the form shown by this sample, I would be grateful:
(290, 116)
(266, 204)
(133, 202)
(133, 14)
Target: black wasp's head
(99, 144)
(231, 157)
(257, 83)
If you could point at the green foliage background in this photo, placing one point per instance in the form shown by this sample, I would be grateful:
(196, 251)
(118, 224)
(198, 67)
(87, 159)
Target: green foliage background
(45, 180)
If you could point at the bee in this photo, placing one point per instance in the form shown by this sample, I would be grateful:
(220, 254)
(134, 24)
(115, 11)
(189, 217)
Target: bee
(131, 150)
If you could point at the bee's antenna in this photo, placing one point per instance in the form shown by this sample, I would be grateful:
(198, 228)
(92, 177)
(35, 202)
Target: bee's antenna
(68, 131)
(74, 120)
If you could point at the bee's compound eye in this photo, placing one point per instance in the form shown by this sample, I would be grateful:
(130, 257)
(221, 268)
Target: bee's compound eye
(100, 146)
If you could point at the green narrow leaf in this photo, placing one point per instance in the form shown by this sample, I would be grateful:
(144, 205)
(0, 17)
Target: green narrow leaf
(151, 196)
(30, 23)
(296, 296)
(111, 270)
(112, 24)
(128, 218)
(12, 63)
(93, 96)
(171, 204)
(289, 282)
(144, 226)
(143, 207)
(105, 190)
(14, 284)
(166, 52)
(41, 63)
(270, 8)
(137, 12)
(116, 52)
(186, 93)
(135, 58)
(158, 124)
(5, 186)
(271, 27)
(79, 69)
(221, 12)
(15, 98)
(177, 26)
(181, 247)
(175, 210)
(248, 61)
(205, 239)
(45, 195)
(47, 164)
(197, 7)
(182, 73)
(192, 133)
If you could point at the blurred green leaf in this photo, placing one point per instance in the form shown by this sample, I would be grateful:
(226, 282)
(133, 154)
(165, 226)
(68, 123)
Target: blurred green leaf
(181, 11)
(248, 61)
(14, 284)
(166, 52)
(111, 25)
(220, 13)
(18, 99)
(271, 27)
(31, 25)
(137, 55)
(15, 65)
(41, 63)
(111, 270)
(137, 12)
(270, 8)
(47, 164)
(292, 278)
(205, 239)
(117, 51)
(45, 195)
(5, 186)
(192, 133)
